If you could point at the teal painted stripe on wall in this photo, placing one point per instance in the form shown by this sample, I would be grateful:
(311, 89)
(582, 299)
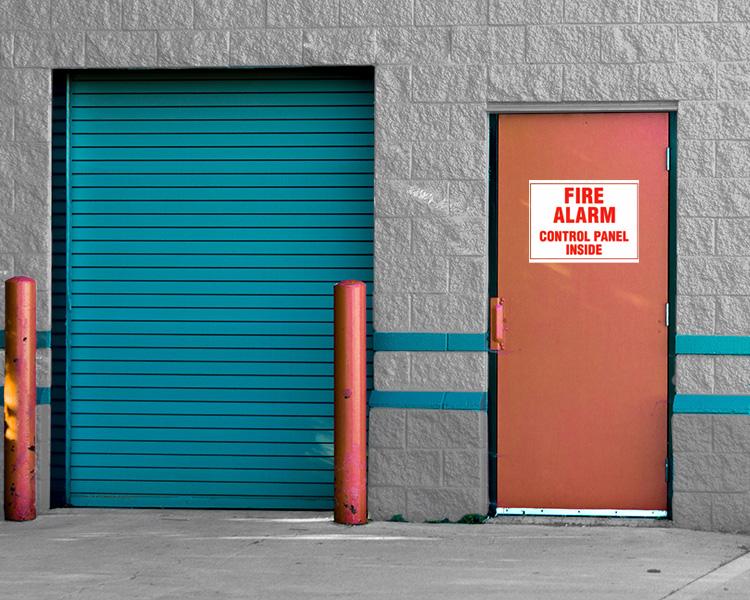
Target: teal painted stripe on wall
(712, 344)
(425, 400)
(429, 342)
(43, 339)
(42, 395)
(711, 404)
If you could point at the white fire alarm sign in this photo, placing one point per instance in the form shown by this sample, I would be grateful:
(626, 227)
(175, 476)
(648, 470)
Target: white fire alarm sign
(583, 221)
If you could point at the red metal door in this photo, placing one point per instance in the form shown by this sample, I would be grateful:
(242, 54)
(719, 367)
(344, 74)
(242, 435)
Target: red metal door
(582, 376)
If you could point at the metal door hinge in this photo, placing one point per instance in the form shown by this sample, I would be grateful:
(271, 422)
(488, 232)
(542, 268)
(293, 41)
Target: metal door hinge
(666, 470)
(669, 157)
(666, 314)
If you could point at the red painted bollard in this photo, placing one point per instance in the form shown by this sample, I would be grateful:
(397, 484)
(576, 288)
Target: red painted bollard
(350, 403)
(20, 399)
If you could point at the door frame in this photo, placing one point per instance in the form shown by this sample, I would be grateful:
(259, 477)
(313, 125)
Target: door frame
(496, 109)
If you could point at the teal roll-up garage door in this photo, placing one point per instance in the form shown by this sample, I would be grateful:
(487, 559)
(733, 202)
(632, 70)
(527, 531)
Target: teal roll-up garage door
(208, 216)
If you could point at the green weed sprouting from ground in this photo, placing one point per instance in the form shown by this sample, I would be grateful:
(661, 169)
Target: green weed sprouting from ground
(469, 519)
(399, 518)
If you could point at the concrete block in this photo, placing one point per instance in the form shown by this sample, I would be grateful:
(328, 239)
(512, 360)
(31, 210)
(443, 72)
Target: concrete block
(387, 428)
(678, 11)
(703, 275)
(439, 12)
(692, 433)
(563, 43)
(733, 237)
(28, 164)
(157, 14)
(25, 14)
(229, 14)
(84, 14)
(121, 49)
(43, 367)
(302, 13)
(193, 48)
(488, 44)
(6, 49)
(392, 312)
(731, 434)
(449, 371)
(32, 123)
(393, 160)
(734, 80)
(450, 160)
(339, 46)
(392, 370)
(733, 119)
(600, 82)
(363, 13)
(443, 83)
(445, 429)
(733, 158)
(525, 83)
(696, 158)
(36, 266)
(734, 10)
(699, 120)
(602, 11)
(468, 198)
(6, 267)
(732, 375)
(412, 44)
(43, 456)
(731, 513)
(21, 235)
(698, 472)
(266, 47)
(406, 121)
(467, 274)
(713, 198)
(733, 315)
(444, 503)
(465, 468)
(525, 11)
(392, 83)
(392, 236)
(639, 43)
(406, 273)
(696, 315)
(442, 312)
(696, 236)
(388, 467)
(57, 49)
(19, 87)
(43, 311)
(692, 510)
(384, 502)
(32, 199)
(689, 81)
(713, 42)
(469, 122)
(694, 374)
(450, 235)
(402, 198)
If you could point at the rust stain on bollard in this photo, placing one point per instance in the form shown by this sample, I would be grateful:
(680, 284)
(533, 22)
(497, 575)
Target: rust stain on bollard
(20, 399)
(350, 403)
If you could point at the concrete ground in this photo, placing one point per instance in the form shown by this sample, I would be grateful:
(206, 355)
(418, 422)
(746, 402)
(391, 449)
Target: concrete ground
(160, 554)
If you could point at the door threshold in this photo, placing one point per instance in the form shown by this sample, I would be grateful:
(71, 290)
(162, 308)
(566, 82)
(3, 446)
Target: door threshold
(581, 512)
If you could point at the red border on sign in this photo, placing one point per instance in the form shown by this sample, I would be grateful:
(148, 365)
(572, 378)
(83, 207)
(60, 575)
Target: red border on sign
(592, 181)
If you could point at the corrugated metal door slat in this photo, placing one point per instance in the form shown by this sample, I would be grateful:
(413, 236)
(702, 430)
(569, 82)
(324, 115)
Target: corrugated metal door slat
(209, 217)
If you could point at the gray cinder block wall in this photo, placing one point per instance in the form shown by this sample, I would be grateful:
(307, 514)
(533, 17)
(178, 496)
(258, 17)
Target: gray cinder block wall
(438, 63)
